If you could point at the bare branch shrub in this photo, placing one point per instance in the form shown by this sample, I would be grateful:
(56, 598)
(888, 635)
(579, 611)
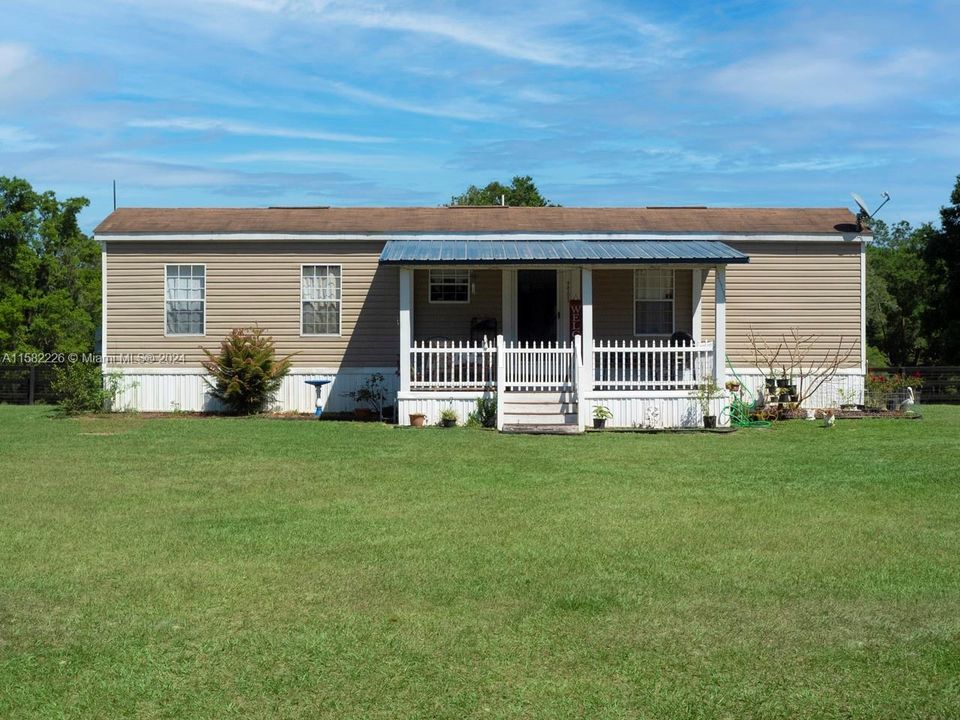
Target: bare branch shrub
(794, 357)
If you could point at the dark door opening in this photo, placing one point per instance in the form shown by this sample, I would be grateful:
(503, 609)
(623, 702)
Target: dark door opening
(537, 305)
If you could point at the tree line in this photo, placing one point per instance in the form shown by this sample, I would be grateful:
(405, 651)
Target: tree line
(913, 291)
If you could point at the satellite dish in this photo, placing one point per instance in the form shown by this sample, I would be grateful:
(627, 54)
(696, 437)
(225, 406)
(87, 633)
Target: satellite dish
(862, 204)
(865, 213)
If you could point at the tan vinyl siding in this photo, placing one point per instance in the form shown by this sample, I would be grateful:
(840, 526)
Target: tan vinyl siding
(452, 320)
(613, 303)
(814, 287)
(253, 282)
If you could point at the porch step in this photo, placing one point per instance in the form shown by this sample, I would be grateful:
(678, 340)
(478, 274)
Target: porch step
(546, 418)
(527, 398)
(532, 429)
(539, 408)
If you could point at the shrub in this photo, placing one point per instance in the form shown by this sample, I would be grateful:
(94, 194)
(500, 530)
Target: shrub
(246, 374)
(79, 388)
(706, 391)
(373, 394)
(486, 412)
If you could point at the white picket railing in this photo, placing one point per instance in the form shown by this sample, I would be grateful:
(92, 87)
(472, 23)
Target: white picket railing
(539, 366)
(618, 365)
(448, 365)
(650, 365)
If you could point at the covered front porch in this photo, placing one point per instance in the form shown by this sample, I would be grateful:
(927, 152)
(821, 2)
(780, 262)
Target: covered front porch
(553, 341)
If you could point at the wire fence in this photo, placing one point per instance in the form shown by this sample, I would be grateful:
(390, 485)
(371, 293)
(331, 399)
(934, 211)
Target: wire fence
(939, 384)
(26, 384)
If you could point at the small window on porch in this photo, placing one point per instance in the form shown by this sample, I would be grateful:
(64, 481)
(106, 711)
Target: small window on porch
(449, 286)
(653, 302)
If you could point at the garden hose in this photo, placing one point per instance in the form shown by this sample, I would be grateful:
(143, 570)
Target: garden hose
(740, 410)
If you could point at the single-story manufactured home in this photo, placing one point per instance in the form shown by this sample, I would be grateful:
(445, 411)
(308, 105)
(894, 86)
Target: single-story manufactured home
(557, 310)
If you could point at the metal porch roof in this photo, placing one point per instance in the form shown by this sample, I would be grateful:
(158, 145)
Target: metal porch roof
(511, 252)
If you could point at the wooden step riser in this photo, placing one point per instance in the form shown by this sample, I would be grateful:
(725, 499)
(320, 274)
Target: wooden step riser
(555, 419)
(539, 397)
(541, 409)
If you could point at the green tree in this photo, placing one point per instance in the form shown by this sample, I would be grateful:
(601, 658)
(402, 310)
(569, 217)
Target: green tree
(521, 192)
(49, 272)
(942, 259)
(898, 292)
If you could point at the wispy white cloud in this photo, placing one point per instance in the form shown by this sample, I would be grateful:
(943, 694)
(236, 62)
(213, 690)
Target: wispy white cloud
(541, 34)
(25, 76)
(825, 75)
(829, 164)
(463, 109)
(16, 139)
(195, 124)
(296, 157)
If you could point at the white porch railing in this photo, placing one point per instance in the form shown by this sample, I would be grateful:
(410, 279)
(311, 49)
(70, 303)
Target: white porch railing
(650, 365)
(617, 365)
(447, 365)
(539, 366)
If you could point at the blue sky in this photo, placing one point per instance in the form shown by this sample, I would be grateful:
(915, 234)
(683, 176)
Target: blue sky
(309, 102)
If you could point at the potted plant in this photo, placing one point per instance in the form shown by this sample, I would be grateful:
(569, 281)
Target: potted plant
(601, 413)
(706, 391)
(417, 419)
(448, 418)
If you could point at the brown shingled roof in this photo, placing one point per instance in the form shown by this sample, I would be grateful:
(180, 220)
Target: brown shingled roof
(379, 220)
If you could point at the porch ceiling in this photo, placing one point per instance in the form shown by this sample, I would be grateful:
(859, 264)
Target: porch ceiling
(561, 252)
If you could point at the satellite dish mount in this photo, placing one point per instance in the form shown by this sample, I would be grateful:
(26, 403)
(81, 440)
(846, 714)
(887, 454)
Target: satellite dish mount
(865, 213)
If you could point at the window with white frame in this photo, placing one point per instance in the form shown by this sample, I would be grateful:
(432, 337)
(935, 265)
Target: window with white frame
(185, 299)
(653, 302)
(449, 286)
(320, 298)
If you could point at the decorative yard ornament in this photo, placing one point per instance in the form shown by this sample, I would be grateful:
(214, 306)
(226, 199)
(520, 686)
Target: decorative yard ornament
(653, 416)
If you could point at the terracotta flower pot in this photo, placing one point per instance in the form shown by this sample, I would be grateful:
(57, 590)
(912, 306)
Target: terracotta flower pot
(417, 419)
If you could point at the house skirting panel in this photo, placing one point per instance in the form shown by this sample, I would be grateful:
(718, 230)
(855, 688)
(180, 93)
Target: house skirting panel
(668, 409)
(431, 404)
(845, 387)
(184, 389)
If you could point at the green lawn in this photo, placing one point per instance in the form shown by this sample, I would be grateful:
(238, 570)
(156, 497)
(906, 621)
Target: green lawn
(186, 568)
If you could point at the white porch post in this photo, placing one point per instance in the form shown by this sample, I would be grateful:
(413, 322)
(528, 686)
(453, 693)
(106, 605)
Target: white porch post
(696, 277)
(586, 301)
(720, 326)
(406, 326)
(501, 380)
(580, 379)
(508, 300)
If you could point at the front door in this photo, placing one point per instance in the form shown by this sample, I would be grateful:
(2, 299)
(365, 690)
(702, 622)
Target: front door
(537, 305)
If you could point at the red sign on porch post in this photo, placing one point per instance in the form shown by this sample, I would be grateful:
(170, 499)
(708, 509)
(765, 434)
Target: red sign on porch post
(576, 318)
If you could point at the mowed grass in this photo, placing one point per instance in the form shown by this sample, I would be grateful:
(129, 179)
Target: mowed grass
(185, 568)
